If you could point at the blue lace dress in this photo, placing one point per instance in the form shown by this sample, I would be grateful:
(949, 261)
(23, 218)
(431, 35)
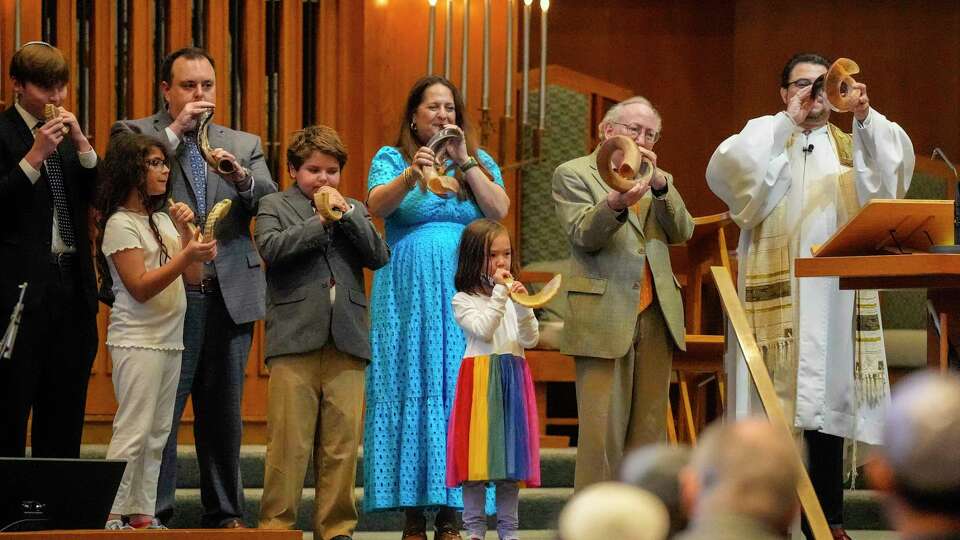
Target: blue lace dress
(416, 346)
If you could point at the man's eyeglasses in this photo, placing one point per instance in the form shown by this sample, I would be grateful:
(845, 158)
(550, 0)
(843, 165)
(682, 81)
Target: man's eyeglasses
(157, 163)
(800, 83)
(651, 136)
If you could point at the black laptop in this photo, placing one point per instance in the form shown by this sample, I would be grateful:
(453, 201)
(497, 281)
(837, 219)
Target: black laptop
(42, 494)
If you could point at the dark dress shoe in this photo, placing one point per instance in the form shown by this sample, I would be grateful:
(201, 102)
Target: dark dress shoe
(446, 533)
(233, 523)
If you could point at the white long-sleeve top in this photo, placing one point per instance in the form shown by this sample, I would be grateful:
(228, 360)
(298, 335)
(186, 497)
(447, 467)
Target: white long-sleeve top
(495, 324)
(772, 159)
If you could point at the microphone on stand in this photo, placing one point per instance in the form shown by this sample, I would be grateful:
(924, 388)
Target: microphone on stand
(6, 345)
(955, 247)
(808, 149)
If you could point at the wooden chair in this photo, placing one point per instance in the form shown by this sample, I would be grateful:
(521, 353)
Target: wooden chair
(701, 365)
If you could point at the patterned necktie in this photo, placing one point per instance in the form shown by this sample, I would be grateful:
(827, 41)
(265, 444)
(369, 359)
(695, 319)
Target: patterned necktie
(54, 168)
(199, 169)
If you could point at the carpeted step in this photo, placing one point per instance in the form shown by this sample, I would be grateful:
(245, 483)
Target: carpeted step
(556, 466)
(539, 509)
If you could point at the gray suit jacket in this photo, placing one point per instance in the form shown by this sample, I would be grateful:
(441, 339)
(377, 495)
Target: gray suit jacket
(608, 250)
(237, 264)
(302, 256)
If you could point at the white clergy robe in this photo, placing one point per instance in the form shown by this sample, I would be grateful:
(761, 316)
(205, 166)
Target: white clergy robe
(752, 172)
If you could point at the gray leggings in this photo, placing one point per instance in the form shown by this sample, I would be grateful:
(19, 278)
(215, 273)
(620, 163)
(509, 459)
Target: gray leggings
(508, 500)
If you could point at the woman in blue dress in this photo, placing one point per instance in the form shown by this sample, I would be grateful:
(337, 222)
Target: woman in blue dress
(416, 345)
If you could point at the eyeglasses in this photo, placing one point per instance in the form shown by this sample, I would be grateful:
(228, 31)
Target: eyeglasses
(800, 83)
(651, 136)
(157, 163)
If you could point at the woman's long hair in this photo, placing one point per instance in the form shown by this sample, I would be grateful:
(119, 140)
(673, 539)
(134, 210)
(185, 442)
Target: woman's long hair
(473, 252)
(122, 171)
(408, 143)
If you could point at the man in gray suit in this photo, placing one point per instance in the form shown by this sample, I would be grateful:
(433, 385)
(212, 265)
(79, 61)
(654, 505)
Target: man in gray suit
(218, 326)
(317, 336)
(625, 315)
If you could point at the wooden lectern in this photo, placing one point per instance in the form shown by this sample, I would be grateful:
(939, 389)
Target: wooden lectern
(885, 246)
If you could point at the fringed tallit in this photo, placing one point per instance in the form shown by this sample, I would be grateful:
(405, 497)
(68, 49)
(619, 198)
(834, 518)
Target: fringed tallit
(769, 301)
(870, 360)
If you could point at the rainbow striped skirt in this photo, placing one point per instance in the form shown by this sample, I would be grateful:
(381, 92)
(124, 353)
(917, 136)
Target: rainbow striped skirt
(493, 432)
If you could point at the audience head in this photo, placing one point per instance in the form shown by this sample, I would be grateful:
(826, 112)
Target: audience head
(743, 468)
(315, 158)
(656, 468)
(613, 511)
(40, 74)
(634, 118)
(919, 464)
(187, 75)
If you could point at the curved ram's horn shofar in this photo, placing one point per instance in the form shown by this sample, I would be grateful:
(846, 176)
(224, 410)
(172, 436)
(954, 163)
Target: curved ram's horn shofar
(321, 200)
(838, 85)
(223, 166)
(50, 111)
(441, 185)
(541, 298)
(635, 167)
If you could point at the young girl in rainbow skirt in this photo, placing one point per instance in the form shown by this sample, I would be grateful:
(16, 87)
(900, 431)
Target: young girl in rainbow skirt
(493, 433)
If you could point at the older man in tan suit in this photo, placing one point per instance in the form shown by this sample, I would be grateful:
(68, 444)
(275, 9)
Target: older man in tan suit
(626, 315)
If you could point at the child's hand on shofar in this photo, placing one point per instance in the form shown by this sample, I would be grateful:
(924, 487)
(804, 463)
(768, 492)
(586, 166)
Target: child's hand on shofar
(199, 251)
(182, 216)
(501, 276)
(518, 287)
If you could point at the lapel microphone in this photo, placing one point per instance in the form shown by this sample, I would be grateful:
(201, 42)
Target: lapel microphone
(808, 149)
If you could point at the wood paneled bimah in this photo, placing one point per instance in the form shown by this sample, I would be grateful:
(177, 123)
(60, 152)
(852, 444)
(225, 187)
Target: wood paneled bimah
(708, 67)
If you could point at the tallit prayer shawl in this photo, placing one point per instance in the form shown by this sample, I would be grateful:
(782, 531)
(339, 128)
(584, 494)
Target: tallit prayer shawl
(769, 300)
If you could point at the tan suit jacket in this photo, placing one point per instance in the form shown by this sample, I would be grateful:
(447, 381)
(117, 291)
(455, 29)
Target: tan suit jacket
(608, 250)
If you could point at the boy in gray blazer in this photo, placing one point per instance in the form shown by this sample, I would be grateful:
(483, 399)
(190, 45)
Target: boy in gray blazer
(317, 329)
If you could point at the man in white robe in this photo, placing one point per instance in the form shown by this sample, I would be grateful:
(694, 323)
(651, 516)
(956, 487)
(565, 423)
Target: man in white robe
(792, 165)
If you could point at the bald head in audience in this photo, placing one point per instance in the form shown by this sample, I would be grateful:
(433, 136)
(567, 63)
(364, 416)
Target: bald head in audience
(919, 466)
(613, 511)
(656, 468)
(740, 483)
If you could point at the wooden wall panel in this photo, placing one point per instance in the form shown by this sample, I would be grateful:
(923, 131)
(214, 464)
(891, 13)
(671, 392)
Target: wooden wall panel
(218, 45)
(291, 87)
(67, 42)
(677, 54)
(141, 80)
(179, 27)
(909, 56)
(709, 67)
(254, 91)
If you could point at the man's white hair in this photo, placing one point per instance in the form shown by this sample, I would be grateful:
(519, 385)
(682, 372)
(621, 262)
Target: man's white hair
(613, 114)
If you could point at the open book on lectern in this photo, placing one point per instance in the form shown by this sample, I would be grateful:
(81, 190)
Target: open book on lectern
(892, 226)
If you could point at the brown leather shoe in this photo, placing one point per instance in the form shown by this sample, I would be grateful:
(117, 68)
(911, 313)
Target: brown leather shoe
(414, 535)
(446, 533)
(233, 523)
